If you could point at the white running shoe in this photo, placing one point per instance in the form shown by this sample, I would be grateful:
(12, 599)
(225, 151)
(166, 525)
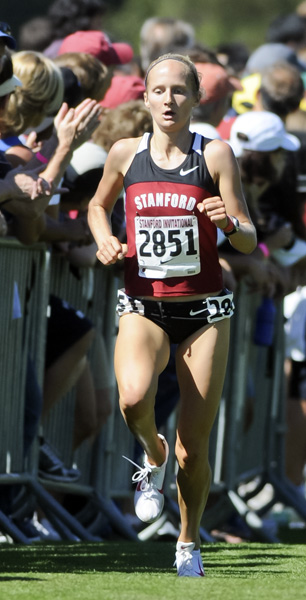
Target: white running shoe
(149, 495)
(188, 561)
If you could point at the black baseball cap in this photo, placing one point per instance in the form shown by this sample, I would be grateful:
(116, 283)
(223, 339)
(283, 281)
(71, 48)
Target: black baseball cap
(6, 35)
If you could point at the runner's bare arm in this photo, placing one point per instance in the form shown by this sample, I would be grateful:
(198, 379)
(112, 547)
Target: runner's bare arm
(110, 249)
(224, 169)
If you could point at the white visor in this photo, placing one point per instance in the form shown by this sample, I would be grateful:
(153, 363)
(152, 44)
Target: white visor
(9, 85)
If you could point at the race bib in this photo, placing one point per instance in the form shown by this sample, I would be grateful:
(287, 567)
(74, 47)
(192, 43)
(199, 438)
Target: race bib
(220, 307)
(167, 246)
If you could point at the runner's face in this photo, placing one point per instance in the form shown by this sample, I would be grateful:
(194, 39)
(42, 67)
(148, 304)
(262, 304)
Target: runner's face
(170, 96)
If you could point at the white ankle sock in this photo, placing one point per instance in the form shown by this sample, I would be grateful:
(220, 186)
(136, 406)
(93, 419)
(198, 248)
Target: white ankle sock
(181, 546)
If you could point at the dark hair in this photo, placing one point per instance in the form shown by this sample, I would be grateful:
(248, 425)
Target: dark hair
(83, 185)
(281, 107)
(281, 89)
(6, 68)
(6, 72)
(72, 90)
(285, 29)
(68, 16)
(259, 165)
(237, 55)
(275, 199)
(256, 164)
(35, 34)
(5, 28)
(198, 53)
(274, 207)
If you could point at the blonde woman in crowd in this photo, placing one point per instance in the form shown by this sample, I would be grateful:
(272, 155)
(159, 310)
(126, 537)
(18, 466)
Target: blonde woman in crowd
(40, 95)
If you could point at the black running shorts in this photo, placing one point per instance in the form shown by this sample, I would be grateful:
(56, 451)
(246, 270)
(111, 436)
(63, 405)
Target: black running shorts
(179, 319)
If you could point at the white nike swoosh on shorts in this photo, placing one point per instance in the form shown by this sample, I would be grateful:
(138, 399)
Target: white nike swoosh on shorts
(182, 172)
(196, 312)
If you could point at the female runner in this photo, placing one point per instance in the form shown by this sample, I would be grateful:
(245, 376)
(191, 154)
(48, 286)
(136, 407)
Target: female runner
(179, 188)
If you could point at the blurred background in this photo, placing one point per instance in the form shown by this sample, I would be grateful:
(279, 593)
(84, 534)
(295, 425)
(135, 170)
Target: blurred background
(215, 21)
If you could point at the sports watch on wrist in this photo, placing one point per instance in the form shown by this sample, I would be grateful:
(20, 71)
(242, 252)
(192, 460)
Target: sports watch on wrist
(232, 226)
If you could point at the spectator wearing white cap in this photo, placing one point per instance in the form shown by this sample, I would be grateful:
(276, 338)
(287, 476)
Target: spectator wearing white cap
(261, 143)
(280, 93)
(261, 131)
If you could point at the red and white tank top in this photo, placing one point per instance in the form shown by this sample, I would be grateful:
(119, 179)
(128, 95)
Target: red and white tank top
(172, 248)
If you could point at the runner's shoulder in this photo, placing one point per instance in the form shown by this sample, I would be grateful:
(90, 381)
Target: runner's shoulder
(122, 152)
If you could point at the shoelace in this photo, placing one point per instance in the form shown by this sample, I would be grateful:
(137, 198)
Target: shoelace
(186, 565)
(141, 474)
(186, 558)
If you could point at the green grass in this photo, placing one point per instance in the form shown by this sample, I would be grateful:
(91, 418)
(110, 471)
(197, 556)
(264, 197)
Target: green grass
(141, 571)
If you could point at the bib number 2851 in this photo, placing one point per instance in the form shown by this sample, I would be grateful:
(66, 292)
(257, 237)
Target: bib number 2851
(169, 246)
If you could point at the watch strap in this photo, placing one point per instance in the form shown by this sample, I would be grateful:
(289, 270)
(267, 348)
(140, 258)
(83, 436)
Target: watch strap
(230, 225)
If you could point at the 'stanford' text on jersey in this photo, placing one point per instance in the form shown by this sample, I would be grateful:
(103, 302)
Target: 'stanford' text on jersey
(172, 246)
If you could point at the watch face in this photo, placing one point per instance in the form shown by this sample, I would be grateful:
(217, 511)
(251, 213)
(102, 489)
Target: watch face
(236, 223)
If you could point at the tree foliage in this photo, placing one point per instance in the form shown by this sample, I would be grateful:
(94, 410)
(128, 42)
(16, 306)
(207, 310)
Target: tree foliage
(215, 21)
